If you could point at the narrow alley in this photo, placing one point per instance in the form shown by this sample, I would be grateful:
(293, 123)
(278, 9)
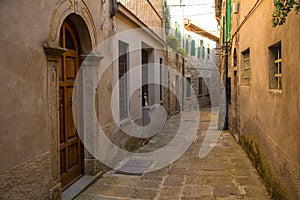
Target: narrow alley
(225, 173)
(149, 99)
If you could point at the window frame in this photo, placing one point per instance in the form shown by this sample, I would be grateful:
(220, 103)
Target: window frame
(123, 54)
(275, 67)
(161, 86)
(246, 67)
(188, 88)
(200, 85)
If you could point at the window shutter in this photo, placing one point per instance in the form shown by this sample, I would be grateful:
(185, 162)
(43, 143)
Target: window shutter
(193, 48)
(187, 46)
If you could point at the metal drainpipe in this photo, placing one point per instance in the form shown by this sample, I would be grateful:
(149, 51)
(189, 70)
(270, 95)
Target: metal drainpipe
(226, 88)
(183, 62)
(226, 72)
(183, 90)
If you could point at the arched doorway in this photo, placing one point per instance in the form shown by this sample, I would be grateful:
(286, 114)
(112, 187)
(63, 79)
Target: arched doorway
(83, 34)
(70, 146)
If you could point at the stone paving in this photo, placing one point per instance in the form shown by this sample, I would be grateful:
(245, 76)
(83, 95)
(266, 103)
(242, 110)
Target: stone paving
(225, 173)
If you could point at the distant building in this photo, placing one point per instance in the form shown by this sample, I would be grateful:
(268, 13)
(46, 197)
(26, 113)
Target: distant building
(200, 66)
(260, 65)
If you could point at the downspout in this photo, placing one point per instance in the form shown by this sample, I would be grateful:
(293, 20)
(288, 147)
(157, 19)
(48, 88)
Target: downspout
(183, 75)
(227, 38)
(183, 62)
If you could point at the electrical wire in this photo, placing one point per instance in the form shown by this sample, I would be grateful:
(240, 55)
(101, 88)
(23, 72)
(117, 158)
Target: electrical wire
(194, 14)
(203, 4)
(246, 18)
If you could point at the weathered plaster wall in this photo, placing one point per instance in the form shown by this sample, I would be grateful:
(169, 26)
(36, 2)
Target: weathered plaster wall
(23, 81)
(136, 38)
(269, 120)
(125, 30)
(24, 138)
(28, 165)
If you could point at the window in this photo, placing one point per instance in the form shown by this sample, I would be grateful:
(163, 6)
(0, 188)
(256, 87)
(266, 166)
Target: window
(246, 67)
(188, 86)
(123, 80)
(203, 85)
(200, 85)
(234, 58)
(208, 53)
(161, 87)
(275, 75)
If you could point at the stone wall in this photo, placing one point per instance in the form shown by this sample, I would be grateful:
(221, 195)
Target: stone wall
(208, 71)
(171, 102)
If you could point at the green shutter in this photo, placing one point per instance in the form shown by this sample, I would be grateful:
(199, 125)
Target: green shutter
(228, 27)
(178, 33)
(223, 30)
(199, 49)
(193, 48)
(187, 46)
(167, 17)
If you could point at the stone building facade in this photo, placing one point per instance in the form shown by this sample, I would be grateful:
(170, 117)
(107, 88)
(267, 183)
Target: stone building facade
(261, 64)
(173, 92)
(202, 65)
(43, 47)
(197, 48)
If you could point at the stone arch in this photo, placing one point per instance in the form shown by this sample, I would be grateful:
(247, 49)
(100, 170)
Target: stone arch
(79, 14)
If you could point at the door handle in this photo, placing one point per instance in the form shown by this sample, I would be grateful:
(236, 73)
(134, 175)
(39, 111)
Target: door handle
(73, 102)
(61, 103)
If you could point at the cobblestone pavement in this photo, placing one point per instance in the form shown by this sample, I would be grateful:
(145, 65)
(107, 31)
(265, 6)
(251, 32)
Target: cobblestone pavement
(225, 173)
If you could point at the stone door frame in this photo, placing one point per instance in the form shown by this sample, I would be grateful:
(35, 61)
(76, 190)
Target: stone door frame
(78, 13)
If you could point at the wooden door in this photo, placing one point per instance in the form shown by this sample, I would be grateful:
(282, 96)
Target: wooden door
(71, 150)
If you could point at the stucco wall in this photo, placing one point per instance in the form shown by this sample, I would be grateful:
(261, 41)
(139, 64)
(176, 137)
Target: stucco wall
(23, 81)
(269, 119)
(137, 39)
(28, 166)
(24, 138)
(123, 29)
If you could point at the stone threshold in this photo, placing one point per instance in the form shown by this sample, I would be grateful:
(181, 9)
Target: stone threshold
(79, 186)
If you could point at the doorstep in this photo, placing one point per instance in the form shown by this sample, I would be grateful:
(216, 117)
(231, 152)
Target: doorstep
(79, 186)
